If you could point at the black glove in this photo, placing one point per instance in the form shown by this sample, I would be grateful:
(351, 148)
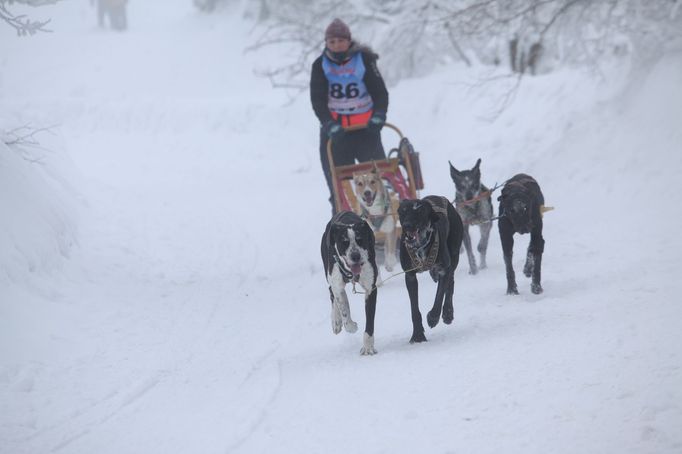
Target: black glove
(377, 121)
(333, 130)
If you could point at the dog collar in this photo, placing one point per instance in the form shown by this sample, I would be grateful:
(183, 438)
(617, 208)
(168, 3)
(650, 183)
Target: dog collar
(375, 219)
(343, 268)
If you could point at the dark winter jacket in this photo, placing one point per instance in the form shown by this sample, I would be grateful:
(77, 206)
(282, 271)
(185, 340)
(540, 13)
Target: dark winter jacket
(319, 85)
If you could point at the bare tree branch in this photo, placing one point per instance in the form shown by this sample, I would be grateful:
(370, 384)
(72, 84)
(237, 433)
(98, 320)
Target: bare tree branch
(505, 100)
(456, 45)
(22, 140)
(21, 23)
(556, 15)
(25, 135)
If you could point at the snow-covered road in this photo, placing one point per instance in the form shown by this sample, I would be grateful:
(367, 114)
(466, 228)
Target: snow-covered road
(192, 314)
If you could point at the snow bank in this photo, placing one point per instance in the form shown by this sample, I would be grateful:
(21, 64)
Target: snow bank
(39, 211)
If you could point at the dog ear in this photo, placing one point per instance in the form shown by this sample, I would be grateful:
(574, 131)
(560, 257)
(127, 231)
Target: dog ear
(428, 211)
(478, 163)
(375, 169)
(454, 173)
(331, 238)
(405, 207)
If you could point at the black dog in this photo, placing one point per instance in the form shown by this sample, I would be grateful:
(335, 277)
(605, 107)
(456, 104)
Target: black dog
(430, 240)
(348, 255)
(474, 205)
(520, 211)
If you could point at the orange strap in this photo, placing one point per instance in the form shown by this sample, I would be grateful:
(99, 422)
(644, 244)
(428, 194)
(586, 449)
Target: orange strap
(348, 121)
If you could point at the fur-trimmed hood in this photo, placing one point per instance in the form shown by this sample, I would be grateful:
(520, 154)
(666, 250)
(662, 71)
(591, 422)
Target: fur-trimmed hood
(354, 48)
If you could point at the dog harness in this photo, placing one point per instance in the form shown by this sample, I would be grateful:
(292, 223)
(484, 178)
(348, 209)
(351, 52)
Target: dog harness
(376, 219)
(469, 209)
(429, 260)
(416, 253)
(442, 207)
(343, 268)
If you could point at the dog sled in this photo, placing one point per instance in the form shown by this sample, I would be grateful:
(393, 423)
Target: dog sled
(400, 172)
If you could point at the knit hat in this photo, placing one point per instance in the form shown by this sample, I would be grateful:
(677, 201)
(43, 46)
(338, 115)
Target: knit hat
(337, 29)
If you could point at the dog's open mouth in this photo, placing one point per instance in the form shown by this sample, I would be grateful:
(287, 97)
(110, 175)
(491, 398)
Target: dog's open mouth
(356, 268)
(417, 237)
(368, 198)
(413, 236)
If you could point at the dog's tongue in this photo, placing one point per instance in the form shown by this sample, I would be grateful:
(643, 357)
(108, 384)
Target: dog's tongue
(355, 269)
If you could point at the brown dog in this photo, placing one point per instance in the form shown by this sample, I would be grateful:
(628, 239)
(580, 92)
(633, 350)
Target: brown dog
(379, 209)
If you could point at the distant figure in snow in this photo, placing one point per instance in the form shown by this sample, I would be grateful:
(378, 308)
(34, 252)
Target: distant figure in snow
(115, 9)
(346, 89)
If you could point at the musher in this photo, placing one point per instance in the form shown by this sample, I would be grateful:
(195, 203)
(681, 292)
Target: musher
(346, 89)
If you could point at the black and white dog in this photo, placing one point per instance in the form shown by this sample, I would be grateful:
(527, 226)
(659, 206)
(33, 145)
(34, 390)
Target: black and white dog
(430, 241)
(348, 256)
(474, 205)
(521, 204)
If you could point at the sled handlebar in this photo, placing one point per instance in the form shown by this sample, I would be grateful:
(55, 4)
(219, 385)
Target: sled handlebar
(389, 125)
(358, 127)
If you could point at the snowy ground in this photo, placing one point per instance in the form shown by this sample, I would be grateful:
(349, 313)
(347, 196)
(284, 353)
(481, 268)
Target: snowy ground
(191, 312)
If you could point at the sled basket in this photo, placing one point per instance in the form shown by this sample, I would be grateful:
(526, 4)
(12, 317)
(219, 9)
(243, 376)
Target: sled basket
(401, 174)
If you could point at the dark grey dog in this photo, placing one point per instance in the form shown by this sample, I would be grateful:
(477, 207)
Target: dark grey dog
(474, 205)
(521, 206)
(430, 241)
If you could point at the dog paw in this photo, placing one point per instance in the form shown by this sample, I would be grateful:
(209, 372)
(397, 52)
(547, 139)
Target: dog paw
(482, 266)
(432, 318)
(351, 326)
(512, 291)
(536, 288)
(417, 338)
(388, 267)
(448, 315)
(527, 273)
(368, 346)
(473, 270)
(364, 351)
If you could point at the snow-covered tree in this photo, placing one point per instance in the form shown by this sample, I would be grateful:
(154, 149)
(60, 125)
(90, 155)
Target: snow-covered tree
(413, 36)
(22, 24)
